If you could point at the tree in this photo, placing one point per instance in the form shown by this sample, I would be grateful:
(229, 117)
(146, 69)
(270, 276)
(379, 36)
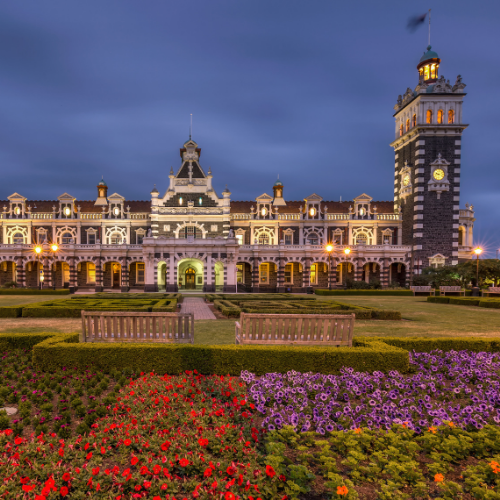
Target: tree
(489, 270)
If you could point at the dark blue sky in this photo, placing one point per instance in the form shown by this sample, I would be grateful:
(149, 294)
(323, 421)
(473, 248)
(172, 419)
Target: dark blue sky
(304, 89)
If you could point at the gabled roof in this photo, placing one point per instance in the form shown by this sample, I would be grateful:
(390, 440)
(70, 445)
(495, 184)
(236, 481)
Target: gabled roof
(183, 172)
(363, 197)
(116, 196)
(264, 197)
(66, 197)
(16, 197)
(314, 197)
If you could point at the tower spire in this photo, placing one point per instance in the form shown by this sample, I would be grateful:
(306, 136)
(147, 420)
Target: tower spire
(191, 127)
(429, 27)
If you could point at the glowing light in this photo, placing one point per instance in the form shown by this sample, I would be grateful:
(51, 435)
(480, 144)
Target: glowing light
(116, 211)
(38, 249)
(478, 251)
(312, 212)
(54, 248)
(263, 212)
(180, 200)
(329, 248)
(67, 211)
(347, 251)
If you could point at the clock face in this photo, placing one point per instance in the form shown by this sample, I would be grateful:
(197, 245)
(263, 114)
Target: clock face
(406, 180)
(438, 174)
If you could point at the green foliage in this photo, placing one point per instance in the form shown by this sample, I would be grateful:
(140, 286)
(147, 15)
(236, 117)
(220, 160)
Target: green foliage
(11, 312)
(227, 308)
(32, 291)
(443, 276)
(467, 301)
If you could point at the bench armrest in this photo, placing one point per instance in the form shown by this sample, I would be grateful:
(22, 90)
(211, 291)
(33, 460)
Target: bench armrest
(237, 332)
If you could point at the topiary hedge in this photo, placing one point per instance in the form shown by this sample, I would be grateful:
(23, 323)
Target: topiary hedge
(425, 344)
(33, 291)
(11, 312)
(467, 301)
(320, 291)
(62, 350)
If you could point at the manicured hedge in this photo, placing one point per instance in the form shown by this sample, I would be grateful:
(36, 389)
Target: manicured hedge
(439, 300)
(227, 308)
(11, 312)
(33, 291)
(425, 344)
(127, 296)
(467, 301)
(320, 291)
(29, 340)
(369, 356)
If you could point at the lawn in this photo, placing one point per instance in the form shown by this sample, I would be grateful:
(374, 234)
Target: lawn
(419, 318)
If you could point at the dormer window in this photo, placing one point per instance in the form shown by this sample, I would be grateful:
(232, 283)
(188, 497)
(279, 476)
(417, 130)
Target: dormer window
(67, 211)
(17, 211)
(312, 212)
(264, 212)
(180, 200)
(200, 201)
(116, 211)
(429, 116)
(362, 211)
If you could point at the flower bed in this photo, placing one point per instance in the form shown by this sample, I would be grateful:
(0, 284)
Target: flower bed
(462, 387)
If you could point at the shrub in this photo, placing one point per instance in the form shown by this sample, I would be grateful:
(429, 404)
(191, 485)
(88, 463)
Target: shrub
(319, 291)
(11, 312)
(490, 303)
(227, 308)
(439, 300)
(33, 291)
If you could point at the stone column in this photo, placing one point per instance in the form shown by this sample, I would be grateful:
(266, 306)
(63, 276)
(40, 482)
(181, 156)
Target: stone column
(98, 275)
(208, 284)
(47, 275)
(281, 276)
(125, 275)
(358, 271)
(332, 273)
(306, 275)
(229, 278)
(255, 275)
(149, 279)
(21, 272)
(384, 273)
(72, 275)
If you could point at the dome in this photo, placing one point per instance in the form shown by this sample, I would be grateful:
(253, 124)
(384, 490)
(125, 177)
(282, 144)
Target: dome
(430, 54)
(278, 183)
(102, 183)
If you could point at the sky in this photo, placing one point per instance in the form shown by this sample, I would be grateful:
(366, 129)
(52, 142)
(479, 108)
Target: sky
(300, 89)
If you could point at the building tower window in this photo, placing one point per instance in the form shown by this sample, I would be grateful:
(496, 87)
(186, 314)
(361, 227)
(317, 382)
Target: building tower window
(263, 239)
(440, 117)
(18, 239)
(66, 238)
(407, 124)
(414, 121)
(429, 116)
(401, 130)
(451, 116)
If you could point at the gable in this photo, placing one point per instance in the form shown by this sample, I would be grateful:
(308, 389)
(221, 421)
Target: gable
(115, 197)
(264, 198)
(313, 197)
(363, 198)
(197, 172)
(16, 197)
(66, 197)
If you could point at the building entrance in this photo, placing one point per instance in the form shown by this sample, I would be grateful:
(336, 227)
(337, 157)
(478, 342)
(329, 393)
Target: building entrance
(190, 279)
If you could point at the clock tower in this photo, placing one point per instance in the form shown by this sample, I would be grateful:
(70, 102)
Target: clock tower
(427, 147)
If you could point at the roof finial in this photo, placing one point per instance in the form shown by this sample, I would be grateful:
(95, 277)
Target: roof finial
(191, 127)
(429, 28)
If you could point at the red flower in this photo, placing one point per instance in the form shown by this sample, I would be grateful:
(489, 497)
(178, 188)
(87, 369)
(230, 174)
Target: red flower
(66, 476)
(64, 491)
(147, 484)
(231, 470)
(202, 442)
(89, 456)
(18, 440)
(95, 471)
(183, 462)
(127, 442)
(229, 496)
(27, 487)
(282, 477)
(134, 460)
(270, 471)
(208, 472)
(137, 487)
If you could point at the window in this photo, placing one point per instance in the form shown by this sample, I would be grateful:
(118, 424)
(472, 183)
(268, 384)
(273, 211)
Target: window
(190, 231)
(313, 280)
(90, 272)
(461, 232)
(288, 239)
(66, 238)
(213, 228)
(91, 238)
(433, 71)
(42, 237)
(200, 201)
(18, 239)
(312, 239)
(240, 273)
(264, 274)
(429, 116)
(239, 239)
(451, 116)
(17, 211)
(440, 116)
(414, 121)
(407, 124)
(263, 239)
(116, 239)
(180, 200)
(141, 269)
(65, 270)
(426, 72)
(401, 131)
(289, 274)
(116, 211)
(361, 239)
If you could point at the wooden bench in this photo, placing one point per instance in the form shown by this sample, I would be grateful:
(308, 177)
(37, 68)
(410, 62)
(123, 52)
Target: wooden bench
(423, 289)
(106, 326)
(492, 289)
(296, 329)
(443, 290)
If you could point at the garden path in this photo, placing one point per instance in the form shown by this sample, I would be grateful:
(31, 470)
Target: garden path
(198, 307)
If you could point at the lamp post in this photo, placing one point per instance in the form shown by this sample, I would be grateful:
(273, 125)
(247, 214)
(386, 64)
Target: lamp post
(38, 251)
(347, 251)
(478, 251)
(54, 248)
(329, 249)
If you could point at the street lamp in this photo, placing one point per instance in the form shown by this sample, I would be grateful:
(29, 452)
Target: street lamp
(38, 251)
(478, 251)
(329, 249)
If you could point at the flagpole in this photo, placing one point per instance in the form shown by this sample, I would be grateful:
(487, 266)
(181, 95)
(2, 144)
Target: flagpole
(429, 27)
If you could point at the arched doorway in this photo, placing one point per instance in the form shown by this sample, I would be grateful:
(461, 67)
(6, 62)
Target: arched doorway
(190, 274)
(112, 272)
(161, 276)
(190, 279)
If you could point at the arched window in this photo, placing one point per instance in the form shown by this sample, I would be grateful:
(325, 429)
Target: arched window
(407, 124)
(451, 116)
(401, 130)
(66, 238)
(263, 239)
(414, 121)
(429, 116)
(312, 239)
(194, 231)
(461, 234)
(116, 239)
(361, 239)
(440, 116)
(18, 239)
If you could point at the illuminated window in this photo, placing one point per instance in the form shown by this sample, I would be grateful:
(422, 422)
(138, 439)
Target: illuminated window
(426, 72)
(264, 274)
(141, 269)
(314, 274)
(90, 272)
(362, 211)
(17, 211)
(433, 71)
(429, 116)
(401, 131)
(451, 116)
(116, 211)
(240, 273)
(407, 124)
(18, 239)
(66, 238)
(312, 212)
(440, 116)
(67, 211)
(289, 274)
(239, 239)
(180, 200)
(200, 201)
(65, 271)
(414, 121)
(263, 211)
